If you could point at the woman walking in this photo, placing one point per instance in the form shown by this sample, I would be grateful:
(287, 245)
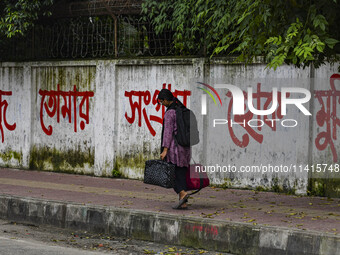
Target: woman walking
(171, 151)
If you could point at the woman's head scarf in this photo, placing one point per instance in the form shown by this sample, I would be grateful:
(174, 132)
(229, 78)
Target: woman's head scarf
(165, 94)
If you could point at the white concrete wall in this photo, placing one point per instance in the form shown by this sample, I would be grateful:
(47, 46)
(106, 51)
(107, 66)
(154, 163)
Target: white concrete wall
(283, 146)
(117, 139)
(16, 143)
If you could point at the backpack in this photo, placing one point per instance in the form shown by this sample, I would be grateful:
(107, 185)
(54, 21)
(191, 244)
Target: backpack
(187, 131)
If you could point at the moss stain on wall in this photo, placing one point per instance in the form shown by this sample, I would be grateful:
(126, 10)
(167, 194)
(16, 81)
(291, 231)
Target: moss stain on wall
(324, 179)
(325, 187)
(274, 185)
(69, 161)
(134, 162)
(8, 156)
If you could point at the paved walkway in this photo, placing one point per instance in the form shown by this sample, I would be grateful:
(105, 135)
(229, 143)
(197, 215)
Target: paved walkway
(260, 209)
(306, 213)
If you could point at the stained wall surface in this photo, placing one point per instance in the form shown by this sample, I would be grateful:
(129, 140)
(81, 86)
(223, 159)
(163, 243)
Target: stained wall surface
(102, 118)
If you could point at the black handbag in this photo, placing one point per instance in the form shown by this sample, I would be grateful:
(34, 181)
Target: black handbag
(160, 173)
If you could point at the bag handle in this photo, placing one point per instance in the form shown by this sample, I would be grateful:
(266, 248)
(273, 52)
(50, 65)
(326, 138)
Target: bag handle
(201, 182)
(193, 160)
(194, 192)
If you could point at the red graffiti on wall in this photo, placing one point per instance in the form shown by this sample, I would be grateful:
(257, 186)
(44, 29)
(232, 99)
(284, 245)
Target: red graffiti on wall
(327, 116)
(136, 100)
(207, 229)
(69, 107)
(259, 96)
(3, 110)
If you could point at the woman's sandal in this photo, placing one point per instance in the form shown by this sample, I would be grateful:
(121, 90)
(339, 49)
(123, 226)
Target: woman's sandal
(182, 208)
(181, 202)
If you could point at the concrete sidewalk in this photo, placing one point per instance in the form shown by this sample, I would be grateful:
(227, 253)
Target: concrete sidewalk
(235, 221)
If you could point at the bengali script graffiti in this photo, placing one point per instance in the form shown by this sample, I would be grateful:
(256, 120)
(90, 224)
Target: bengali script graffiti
(140, 101)
(259, 97)
(56, 102)
(3, 111)
(327, 117)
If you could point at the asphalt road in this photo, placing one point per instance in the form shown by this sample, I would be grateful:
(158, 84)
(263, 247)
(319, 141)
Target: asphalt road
(10, 246)
(19, 239)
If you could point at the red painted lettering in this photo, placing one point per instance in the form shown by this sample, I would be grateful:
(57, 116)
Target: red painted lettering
(3, 110)
(69, 98)
(327, 116)
(240, 119)
(139, 98)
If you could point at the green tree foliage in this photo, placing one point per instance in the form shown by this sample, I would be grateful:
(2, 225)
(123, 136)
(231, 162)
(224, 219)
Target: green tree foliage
(298, 32)
(18, 16)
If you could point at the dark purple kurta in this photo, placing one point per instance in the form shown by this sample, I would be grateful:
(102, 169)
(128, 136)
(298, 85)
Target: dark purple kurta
(177, 154)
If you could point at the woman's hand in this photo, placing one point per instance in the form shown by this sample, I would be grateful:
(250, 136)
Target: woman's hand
(163, 154)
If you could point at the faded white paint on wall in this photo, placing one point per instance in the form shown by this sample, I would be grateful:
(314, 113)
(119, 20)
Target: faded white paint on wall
(283, 146)
(325, 129)
(60, 149)
(16, 143)
(133, 149)
(117, 139)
